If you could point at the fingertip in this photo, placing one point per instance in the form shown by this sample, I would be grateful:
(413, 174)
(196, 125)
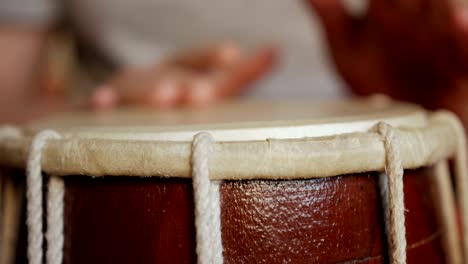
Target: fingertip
(164, 94)
(200, 93)
(104, 97)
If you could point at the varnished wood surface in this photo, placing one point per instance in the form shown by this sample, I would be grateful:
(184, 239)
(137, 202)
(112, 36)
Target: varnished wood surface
(339, 219)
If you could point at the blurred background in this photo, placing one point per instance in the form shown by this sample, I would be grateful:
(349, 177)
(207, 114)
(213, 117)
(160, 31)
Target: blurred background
(99, 55)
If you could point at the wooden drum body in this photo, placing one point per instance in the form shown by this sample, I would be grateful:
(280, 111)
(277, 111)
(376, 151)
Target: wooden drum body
(322, 220)
(305, 190)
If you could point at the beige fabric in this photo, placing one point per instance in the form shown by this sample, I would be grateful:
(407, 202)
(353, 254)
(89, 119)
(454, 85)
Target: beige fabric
(424, 141)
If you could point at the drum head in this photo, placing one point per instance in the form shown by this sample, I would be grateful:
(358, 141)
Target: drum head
(238, 121)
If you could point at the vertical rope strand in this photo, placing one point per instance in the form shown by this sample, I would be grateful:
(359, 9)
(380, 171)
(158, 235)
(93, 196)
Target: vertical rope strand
(393, 195)
(460, 171)
(34, 208)
(54, 235)
(446, 206)
(209, 246)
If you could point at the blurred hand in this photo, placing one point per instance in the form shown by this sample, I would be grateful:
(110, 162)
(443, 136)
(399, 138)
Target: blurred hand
(415, 50)
(197, 78)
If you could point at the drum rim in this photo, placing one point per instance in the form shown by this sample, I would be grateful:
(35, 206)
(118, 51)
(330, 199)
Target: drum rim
(292, 158)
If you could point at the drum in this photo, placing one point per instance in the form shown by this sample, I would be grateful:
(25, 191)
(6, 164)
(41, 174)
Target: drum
(364, 181)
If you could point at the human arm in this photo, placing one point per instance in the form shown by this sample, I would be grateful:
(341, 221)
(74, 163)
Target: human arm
(413, 50)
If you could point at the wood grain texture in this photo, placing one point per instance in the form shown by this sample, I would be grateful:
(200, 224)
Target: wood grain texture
(338, 219)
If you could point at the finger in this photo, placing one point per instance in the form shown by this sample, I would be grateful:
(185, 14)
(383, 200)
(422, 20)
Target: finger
(336, 21)
(156, 88)
(200, 91)
(130, 84)
(220, 56)
(162, 93)
(240, 77)
(104, 97)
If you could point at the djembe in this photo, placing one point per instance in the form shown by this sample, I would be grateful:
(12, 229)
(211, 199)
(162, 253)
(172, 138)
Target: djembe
(357, 181)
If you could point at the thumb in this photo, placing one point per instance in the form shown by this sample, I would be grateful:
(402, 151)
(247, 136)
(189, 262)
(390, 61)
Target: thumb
(335, 19)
